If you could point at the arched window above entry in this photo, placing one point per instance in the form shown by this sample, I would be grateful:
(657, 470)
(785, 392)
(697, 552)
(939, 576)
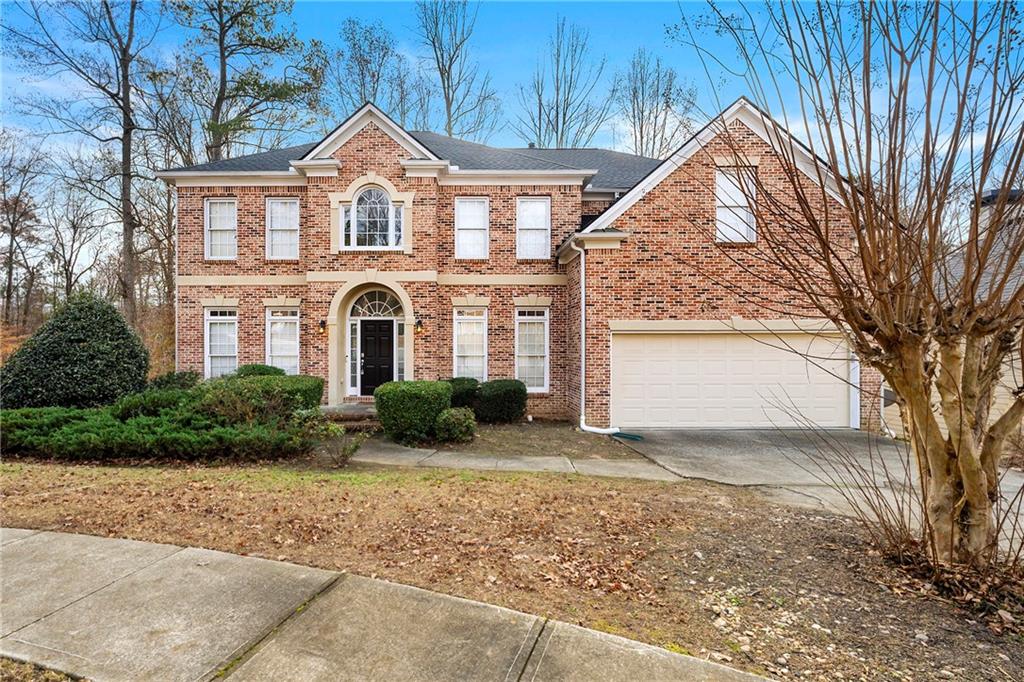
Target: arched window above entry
(377, 304)
(373, 221)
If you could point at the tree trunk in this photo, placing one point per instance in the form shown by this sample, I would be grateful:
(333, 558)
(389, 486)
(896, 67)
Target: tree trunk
(9, 287)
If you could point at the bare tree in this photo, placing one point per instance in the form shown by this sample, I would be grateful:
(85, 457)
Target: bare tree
(915, 111)
(655, 105)
(230, 88)
(410, 96)
(99, 45)
(562, 105)
(470, 105)
(21, 171)
(74, 227)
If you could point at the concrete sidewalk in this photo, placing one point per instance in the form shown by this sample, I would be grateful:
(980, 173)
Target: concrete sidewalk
(109, 609)
(381, 451)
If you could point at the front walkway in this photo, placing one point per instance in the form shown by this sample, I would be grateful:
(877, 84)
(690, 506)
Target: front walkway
(382, 451)
(108, 609)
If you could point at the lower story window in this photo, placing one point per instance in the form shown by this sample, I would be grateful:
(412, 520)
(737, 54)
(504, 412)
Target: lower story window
(283, 339)
(532, 348)
(470, 343)
(221, 341)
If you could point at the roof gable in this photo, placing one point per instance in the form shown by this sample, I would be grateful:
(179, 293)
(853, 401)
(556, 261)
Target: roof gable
(769, 130)
(366, 114)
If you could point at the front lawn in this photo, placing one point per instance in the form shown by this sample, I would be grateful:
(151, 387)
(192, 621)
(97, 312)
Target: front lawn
(541, 438)
(713, 571)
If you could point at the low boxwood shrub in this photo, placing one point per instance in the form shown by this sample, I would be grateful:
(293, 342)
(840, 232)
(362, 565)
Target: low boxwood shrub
(408, 410)
(455, 425)
(257, 370)
(152, 402)
(86, 355)
(464, 391)
(500, 401)
(308, 391)
(259, 398)
(183, 380)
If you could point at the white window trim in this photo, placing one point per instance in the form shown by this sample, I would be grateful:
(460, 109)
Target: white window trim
(298, 335)
(752, 235)
(207, 319)
(206, 227)
(298, 227)
(547, 200)
(348, 236)
(456, 318)
(487, 227)
(547, 347)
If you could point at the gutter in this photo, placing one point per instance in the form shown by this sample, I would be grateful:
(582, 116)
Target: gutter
(583, 347)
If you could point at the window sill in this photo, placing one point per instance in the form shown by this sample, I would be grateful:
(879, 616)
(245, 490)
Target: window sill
(736, 245)
(476, 258)
(214, 259)
(281, 260)
(365, 249)
(540, 259)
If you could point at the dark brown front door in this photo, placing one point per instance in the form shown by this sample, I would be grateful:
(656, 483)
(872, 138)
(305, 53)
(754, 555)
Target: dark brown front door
(377, 343)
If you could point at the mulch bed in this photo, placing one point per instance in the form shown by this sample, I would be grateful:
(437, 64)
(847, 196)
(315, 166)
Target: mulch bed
(708, 570)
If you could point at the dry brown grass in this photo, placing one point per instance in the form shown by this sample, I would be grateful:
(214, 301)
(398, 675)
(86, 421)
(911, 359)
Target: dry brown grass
(697, 568)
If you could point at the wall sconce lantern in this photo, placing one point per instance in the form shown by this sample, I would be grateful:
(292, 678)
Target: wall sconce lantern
(322, 326)
(419, 326)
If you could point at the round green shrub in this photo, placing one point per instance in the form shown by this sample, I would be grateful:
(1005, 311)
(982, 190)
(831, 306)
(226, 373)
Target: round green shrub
(455, 425)
(183, 380)
(464, 391)
(500, 401)
(257, 370)
(408, 410)
(85, 355)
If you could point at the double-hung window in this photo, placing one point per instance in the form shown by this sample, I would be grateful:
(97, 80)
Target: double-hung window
(469, 327)
(734, 195)
(533, 228)
(532, 348)
(283, 339)
(221, 229)
(221, 341)
(282, 229)
(471, 223)
(372, 221)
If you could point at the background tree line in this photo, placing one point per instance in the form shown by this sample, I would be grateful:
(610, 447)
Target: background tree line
(81, 206)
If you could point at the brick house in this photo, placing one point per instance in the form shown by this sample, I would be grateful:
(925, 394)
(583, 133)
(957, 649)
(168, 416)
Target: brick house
(379, 254)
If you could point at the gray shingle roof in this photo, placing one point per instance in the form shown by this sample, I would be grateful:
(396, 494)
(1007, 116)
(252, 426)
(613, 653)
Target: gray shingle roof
(616, 171)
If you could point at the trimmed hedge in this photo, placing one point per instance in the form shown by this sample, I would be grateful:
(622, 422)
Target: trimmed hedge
(86, 355)
(253, 418)
(500, 401)
(186, 379)
(257, 370)
(464, 391)
(455, 425)
(408, 410)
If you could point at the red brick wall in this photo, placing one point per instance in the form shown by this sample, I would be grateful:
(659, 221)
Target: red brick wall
(670, 267)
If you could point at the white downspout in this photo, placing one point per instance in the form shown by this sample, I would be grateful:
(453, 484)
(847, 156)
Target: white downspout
(583, 346)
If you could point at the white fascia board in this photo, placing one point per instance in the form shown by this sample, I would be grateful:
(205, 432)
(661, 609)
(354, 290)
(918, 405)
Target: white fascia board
(316, 168)
(365, 115)
(740, 110)
(516, 177)
(224, 178)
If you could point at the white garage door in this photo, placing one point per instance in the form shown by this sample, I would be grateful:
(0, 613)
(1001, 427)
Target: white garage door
(728, 380)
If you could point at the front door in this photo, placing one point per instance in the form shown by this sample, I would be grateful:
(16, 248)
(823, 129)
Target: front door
(377, 343)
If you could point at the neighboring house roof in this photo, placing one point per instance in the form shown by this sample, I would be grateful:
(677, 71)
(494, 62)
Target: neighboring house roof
(615, 171)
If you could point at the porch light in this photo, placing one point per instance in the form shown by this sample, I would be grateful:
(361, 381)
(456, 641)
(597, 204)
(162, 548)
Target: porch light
(322, 326)
(419, 326)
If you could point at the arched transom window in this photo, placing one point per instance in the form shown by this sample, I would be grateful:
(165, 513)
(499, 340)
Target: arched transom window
(377, 304)
(373, 221)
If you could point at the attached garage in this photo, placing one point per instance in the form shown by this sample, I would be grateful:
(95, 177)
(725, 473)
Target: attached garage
(731, 380)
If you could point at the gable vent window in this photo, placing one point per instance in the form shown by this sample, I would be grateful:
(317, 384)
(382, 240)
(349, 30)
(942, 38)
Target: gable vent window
(734, 212)
(373, 221)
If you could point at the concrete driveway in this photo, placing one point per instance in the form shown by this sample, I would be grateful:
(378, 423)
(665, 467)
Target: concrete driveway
(793, 466)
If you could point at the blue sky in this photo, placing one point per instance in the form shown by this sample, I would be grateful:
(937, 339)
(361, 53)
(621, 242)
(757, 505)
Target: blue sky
(508, 39)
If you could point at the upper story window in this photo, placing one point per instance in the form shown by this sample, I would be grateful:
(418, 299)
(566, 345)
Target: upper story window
(533, 228)
(221, 229)
(734, 194)
(471, 227)
(373, 221)
(282, 229)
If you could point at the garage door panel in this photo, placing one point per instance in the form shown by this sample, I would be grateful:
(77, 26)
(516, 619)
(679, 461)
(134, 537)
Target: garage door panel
(727, 380)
